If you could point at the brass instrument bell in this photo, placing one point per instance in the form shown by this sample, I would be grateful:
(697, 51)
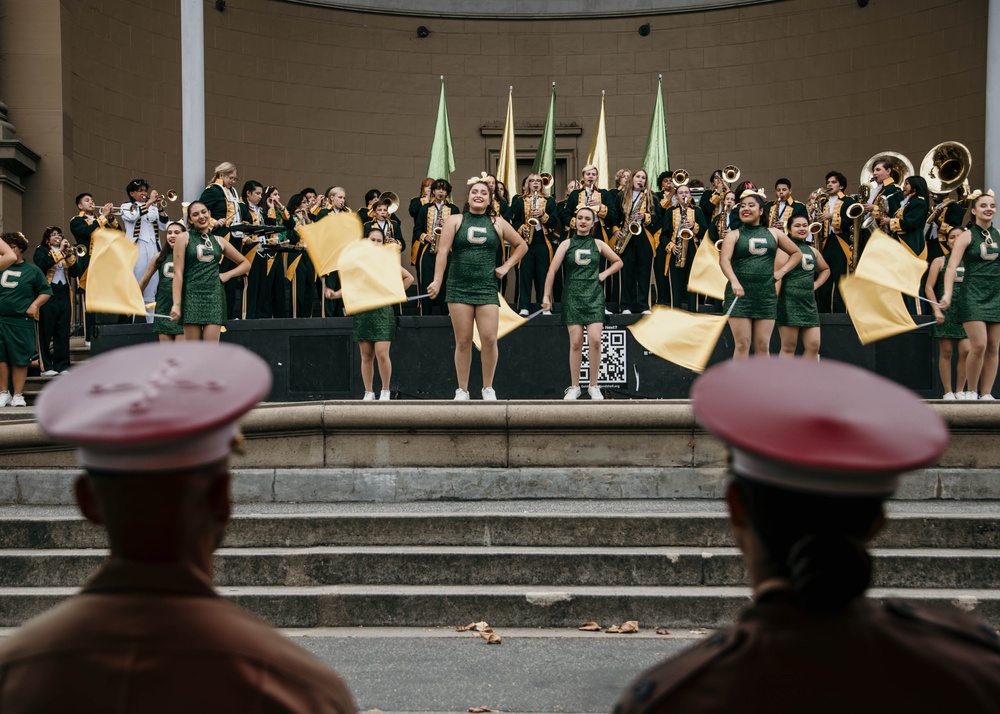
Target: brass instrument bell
(80, 250)
(731, 174)
(390, 198)
(900, 169)
(680, 177)
(946, 167)
(547, 181)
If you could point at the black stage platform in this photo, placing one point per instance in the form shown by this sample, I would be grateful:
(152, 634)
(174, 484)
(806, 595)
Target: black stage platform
(316, 359)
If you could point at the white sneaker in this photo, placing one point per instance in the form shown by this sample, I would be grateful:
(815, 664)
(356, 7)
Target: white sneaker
(369, 397)
(950, 396)
(50, 373)
(607, 311)
(595, 393)
(18, 401)
(572, 393)
(626, 312)
(984, 398)
(385, 395)
(523, 313)
(4, 398)
(489, 395)
(546, 312)
(647, 312)
(461, 395)
(971, 396)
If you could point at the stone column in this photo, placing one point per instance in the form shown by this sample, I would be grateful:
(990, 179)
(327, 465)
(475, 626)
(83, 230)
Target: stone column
(992, 159)
(193, 97)
(17, 161)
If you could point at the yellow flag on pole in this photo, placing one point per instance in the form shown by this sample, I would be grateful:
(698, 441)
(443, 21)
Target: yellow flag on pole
(370, 276)
(684, 338)
(887, 262)
(598, 154)
(327, 238)
(507, 167)
(111, 284)
(876, 311)
(706, 276)
(509, 321)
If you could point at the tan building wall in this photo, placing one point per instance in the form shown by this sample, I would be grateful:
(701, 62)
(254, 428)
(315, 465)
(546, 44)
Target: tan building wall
(303, 95)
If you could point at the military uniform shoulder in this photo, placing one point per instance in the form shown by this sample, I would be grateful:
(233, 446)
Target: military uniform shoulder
(654, 685)
(946, 620)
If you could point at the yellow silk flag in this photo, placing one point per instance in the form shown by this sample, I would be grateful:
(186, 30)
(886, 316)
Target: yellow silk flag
(876, 311)
(509, 321)
(684, 338)
(507, 167)
(327, 238)
(887, 262)
(111, 284)
(706, 276)
(598, 153)
(370, 277)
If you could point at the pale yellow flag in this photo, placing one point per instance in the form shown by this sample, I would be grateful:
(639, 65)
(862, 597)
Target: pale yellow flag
(887, 262)
(327, 238)
(370, 276)
(876, 311)
(509, 321)
(111, 284)
(706, 276)
(684, 338)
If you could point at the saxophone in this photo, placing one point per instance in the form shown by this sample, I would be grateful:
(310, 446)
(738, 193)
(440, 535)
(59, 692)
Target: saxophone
(633, 227)
(533, 223)
(436, 231)
(685, 234)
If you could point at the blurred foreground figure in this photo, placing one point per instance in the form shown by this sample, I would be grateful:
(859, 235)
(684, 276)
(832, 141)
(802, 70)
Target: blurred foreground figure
(154, 426)
(816, 449)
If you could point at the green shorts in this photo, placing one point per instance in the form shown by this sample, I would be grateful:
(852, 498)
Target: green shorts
(17, 341)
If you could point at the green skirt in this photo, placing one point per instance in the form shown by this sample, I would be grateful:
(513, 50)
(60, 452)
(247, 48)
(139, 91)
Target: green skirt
(378, 325)
(797, 307)
(759, 302)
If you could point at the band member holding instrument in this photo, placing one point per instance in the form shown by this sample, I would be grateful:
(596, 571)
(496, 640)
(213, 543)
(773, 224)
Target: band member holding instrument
(836, 241)
(82, 226)
(948, 329)
(907, 225)
(256, 293)
(374, 331)
(978, 250)
(381, 222)
(223, 203)
(883, 186)
(783, 208)
(711, 201)
(500, 203)
(583, 298)
(533, 215)
(140, 218)
(421, 199)
(633, 241)
(58, 262)
(199, 301)
(682, 221)
(665, 196)
(427, 236)
(371, 198)
(797, 313)
(275, 304)
(718, 227)
(163, 265)
(306, 286)
(755, 258)
(472, 289)
(947, 214)
(334, 201)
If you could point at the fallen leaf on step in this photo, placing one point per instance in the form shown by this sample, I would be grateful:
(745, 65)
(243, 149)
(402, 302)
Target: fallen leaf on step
(625, 628)
(662, 631)
(479, 710)
(477, 626)
(491, 637)
(699, 631)
(590, 627)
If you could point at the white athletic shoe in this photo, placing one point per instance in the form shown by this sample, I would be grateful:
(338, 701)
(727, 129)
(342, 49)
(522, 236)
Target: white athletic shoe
(607, 311)
(461, 395)
(984, 398)
(595, 393)
(572, 393)
(950, 396)
(523, 313)
(626, 312)
(546, 312)
(50, 373)
(369, 397)
(18, 401)
(489, 395)
(385, 395)
(4, 398)
(971, 396)
(647, 312)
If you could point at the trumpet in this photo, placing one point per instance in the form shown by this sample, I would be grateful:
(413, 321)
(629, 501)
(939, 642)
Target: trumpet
(170, 196)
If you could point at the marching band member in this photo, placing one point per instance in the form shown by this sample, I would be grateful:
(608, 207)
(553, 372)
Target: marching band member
(255, 287)
(672, 277)
(835, 241)
(798, 315)
(947, 213)
(381, 221)
(472, 289)
(637, 208)
(783, 208)
(539, 235)
(82, 226)
(421, 199)
(665, 196)
(223, 203)
(427, 236)
(163, 265)
(198, 298)
(583, 297)
(719, 226)
(623, 180)
(305, 282)
(760, 257)
(374, 331)
(883, 185)
(23, 291)
(711, 201)
(140, 217)
(334, 201)
(977, 249)
(948, 329)
(274, 289)
(500, 203)
(908, 224)
(57, 261)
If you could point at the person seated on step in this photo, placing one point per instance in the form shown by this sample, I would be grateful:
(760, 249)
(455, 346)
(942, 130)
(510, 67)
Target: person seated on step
(810, 473)
(154, 425)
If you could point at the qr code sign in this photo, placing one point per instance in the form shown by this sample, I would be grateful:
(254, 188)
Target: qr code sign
(613, 358)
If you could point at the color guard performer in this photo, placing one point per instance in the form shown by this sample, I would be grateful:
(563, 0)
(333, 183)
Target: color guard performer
(163, 265)
(682, 229)
(948, 329)
(603, 203)
(634, 242)
(533, 215)
(427, 235)
(797, 312)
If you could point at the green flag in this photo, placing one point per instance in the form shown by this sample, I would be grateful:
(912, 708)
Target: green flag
(545, 159)
(442, 161)
(656, 160)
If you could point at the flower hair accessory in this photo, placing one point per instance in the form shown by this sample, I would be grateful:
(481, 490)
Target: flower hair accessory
(478, 179)
(753, 192)
(979, 192)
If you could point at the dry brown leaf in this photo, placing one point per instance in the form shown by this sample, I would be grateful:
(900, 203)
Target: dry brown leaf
(477, 626)
(699, 631)
(662, 631)
(630, 626)
(491, 637)
(614, 628)
(479, 710)
(590, 627)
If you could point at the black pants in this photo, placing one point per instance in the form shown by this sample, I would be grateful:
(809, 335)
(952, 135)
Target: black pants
(425, 273)
(659, 269)
(53, 330)
(828, 297)
(534, 267)
(637, 261)
(305, 287)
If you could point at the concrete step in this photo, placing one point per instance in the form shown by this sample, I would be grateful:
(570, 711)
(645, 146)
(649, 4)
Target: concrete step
(499, 605)
(488, 525)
